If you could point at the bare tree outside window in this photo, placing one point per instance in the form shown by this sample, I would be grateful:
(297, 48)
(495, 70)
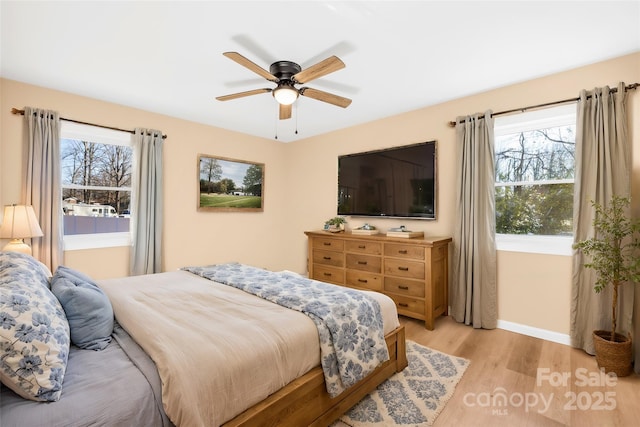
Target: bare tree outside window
(534, 181)
(96, 183)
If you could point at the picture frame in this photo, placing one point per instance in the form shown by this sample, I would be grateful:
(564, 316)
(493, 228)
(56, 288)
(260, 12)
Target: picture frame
(230, 185)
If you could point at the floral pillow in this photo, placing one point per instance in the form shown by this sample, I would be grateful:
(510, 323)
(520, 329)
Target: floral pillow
(34, 332)
(23, 267)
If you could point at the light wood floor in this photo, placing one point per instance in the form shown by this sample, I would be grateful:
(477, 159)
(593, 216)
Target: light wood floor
(567, 392)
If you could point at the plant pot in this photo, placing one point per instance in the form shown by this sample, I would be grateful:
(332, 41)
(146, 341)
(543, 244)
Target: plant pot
(613, 356)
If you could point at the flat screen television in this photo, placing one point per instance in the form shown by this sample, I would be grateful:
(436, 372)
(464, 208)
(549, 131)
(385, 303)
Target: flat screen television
(398, 182)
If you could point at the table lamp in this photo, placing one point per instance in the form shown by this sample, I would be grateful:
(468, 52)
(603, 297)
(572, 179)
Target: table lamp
(19, 223)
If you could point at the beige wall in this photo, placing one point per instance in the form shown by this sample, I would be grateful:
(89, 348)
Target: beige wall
(533, 290)
(301, 184)
(191, 237)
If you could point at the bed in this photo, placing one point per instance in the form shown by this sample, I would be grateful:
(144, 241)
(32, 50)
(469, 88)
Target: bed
(189, 350)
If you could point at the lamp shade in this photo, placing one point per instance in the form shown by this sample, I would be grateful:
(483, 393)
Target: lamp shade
(19, 222)
(285, 94)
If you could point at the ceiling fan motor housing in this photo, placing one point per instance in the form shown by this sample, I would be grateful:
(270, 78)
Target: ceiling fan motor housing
(284, 70)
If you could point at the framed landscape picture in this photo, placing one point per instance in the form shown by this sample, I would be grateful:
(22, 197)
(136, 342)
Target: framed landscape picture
(230, 185)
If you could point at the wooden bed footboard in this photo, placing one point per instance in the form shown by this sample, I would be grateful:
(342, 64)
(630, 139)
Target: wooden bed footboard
(305, 401)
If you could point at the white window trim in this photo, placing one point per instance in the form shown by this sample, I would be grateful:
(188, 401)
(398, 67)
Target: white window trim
(71, 130)
(76, 242)
(548, 245)
(541, 182)
(537, 119)
(93, 187)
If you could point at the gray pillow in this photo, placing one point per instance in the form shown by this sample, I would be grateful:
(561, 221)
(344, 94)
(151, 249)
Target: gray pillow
(87, 307)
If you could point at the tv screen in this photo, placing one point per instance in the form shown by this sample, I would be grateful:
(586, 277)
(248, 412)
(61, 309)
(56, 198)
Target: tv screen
(397, 182)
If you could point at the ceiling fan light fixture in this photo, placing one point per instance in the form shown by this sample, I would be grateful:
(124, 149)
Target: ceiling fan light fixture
(285, 94)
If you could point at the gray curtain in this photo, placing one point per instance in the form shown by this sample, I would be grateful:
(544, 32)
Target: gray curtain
(146, 207)
(473, 284)
(41, 186)
(603, 156)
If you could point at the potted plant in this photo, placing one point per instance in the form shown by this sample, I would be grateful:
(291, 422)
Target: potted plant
(335, 224)
(614, 256)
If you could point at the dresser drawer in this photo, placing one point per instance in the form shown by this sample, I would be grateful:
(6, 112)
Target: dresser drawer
(364, 262)
(363, 247)
(404, 268)
(335, 259)
(403, 251)
(408, 306)
(328, 274)
(406, 287)
(328, 243)
(362, 279)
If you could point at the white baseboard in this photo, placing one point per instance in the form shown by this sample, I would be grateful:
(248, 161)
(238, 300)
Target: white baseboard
(535, 332)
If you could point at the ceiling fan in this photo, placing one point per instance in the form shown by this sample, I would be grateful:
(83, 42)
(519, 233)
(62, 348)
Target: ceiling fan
(287, 75)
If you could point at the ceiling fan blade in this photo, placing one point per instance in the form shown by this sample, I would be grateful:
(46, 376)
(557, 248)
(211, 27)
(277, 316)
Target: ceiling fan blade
(235, 56)
(285, 112)
(242, 94)
(322, 68)
(325, 97)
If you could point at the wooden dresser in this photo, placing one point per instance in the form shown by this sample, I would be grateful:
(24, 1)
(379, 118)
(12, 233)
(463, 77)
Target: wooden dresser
(413, 272)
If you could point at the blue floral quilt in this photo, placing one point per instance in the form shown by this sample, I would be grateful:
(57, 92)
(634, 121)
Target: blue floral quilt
(349, 322)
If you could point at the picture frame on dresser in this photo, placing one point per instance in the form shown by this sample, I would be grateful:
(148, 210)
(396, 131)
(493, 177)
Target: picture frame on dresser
(230, 185)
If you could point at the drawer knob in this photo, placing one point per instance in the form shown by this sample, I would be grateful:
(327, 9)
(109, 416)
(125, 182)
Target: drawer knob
(327, 257)
(327, 274)
(403, 252)
(362, 262)
(401, 304)
(403, 268)
(327, 243)
(363, 281)
(361, 247)
(404, 288)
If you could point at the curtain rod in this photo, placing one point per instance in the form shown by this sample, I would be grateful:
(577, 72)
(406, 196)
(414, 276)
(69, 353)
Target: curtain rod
(548, 104)
(21, 112)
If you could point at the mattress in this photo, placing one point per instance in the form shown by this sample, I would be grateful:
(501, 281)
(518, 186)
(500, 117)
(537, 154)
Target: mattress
(116, 386)
(219, 350)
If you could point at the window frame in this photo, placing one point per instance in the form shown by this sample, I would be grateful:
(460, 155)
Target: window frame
(96, 134)
(527, 121)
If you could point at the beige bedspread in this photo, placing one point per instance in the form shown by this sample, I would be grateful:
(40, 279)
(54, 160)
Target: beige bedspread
(218, 350)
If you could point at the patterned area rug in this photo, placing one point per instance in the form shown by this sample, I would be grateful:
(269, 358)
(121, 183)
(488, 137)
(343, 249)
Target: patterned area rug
(413, 397)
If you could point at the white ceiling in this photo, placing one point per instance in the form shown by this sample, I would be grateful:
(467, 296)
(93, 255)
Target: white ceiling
(166, 57)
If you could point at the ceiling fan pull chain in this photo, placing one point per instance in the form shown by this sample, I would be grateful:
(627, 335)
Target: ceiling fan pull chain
(296, 105)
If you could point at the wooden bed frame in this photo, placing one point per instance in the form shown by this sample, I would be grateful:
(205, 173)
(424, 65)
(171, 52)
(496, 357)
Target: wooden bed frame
(305, 401)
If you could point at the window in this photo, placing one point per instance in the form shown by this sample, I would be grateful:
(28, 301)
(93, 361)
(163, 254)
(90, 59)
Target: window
(535, 164)
(96, 166)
